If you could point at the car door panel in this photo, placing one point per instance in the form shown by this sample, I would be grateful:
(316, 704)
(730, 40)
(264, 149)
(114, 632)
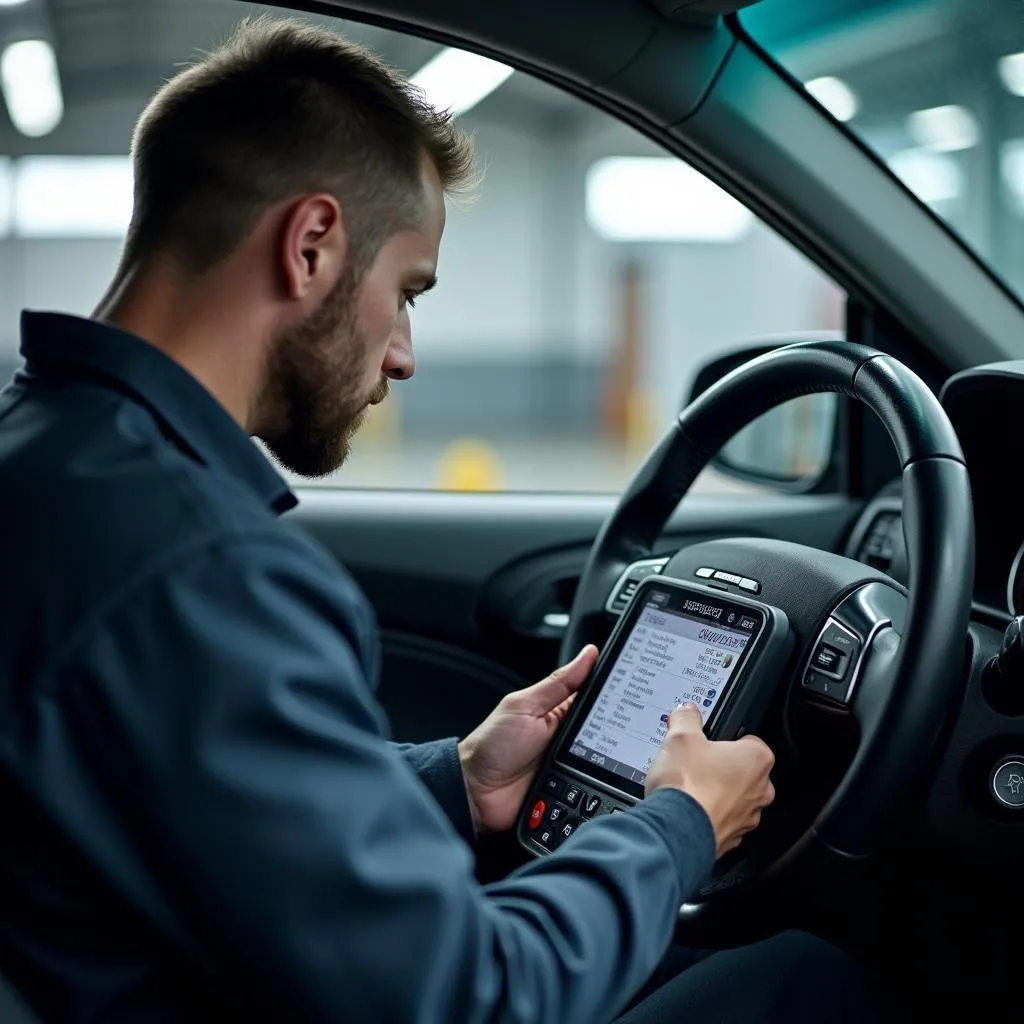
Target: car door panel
(462, 583)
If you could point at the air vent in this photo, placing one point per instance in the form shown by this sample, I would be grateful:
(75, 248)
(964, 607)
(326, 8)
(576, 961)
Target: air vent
(880, 542)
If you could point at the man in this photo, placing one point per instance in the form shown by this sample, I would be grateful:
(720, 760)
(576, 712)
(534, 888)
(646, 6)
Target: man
(205, 820)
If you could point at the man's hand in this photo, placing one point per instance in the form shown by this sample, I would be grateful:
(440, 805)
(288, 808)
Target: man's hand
(729, 779)
(501, 756)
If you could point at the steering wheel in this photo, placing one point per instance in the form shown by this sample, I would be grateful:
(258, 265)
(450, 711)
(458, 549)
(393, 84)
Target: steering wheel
(908, 644)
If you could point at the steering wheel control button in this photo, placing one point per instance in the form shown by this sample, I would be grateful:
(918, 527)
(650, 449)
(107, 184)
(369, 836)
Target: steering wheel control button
(572, 795)
(1008, 783)
(626, 585)
(831, 670)
(728, 577)
(839, 637)
(537, 814)
(704, 573)
(830, 662)
(825, 686)
(751, 586)
(554, 785)
(591, 805)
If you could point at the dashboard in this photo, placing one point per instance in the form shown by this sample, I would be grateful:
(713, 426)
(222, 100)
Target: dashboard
(976, 802)
(984, 404)
(985, 407)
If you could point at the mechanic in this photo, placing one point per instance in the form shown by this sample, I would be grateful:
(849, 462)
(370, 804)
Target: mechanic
(204, 817)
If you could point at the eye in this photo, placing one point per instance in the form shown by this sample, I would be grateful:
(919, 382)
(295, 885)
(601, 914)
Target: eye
(409, 299)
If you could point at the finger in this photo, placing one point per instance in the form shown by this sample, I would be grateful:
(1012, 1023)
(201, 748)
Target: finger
(769, 794)
(549, 693)
(686, 718)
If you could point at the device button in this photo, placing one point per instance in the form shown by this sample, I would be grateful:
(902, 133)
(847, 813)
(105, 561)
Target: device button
(558, 812)
(825, 686)
(572, 795)
(548, 837)
(568, 829)
(537, 814)
(752, 586)
(554, 785)
(705, 573)
(591, 805)
(1007, 783)
(728, 577)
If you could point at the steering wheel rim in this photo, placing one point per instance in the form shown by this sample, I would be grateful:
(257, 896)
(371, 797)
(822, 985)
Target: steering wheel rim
(910, 681)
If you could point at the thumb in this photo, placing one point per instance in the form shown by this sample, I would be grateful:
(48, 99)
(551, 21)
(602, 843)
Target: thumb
(686, 718)
(562, 683)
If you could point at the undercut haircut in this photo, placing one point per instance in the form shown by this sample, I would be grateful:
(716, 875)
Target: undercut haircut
(284, 109)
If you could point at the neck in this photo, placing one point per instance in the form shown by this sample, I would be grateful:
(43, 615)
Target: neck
(188, 319)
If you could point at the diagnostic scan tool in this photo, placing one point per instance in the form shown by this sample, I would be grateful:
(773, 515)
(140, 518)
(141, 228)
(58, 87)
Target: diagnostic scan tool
(675, 643)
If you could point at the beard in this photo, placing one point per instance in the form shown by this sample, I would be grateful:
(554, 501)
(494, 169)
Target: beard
(312, 404)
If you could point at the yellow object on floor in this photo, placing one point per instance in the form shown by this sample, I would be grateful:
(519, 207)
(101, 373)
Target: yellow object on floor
(470, 465)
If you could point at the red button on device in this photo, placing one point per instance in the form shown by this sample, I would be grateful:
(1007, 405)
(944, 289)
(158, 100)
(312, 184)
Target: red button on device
(537, 814)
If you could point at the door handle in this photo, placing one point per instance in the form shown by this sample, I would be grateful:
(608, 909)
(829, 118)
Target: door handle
(556, 621)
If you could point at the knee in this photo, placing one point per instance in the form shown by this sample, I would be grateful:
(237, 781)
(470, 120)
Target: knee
(808, 948)
(814, 961)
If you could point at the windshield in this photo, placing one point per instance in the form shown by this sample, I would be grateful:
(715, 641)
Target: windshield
(935, 88)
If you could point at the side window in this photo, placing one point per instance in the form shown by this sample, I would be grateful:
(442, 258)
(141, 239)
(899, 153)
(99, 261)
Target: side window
(580, 292)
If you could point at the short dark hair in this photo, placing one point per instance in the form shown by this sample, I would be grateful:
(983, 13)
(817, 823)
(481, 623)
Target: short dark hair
(281, 109)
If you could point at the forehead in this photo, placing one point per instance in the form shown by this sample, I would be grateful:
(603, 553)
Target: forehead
(433, 211)
(418, 244)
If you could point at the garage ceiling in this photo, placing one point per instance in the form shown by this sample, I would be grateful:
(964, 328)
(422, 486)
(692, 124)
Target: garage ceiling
(898, 55)
(119, 51)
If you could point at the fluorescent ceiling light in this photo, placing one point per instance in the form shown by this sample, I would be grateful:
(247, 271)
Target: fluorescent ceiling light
(835, 96)
(72, 197)
(6, 188)
(12, 3)
(1011, 72)
(660, 199)
(31, 87)
(457, 80)
(932, 177)
(944, 129)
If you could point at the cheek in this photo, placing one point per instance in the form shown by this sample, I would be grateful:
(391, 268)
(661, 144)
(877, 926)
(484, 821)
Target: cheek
(378, 319)
(377, 351)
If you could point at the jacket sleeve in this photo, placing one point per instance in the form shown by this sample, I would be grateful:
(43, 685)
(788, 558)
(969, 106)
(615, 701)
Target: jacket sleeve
(439, 768)
(246, 802)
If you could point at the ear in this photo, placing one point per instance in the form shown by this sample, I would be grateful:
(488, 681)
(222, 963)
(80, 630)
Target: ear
(313, 246)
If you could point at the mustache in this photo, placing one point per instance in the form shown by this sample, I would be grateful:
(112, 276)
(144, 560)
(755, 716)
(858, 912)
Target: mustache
(380, 392)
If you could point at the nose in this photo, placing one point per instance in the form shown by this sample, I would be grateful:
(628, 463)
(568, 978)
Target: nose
(399, 360)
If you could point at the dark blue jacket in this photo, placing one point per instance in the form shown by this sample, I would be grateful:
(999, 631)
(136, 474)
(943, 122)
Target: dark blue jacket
(203, 819)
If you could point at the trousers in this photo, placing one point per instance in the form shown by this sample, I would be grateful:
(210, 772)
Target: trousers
(791, 977)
